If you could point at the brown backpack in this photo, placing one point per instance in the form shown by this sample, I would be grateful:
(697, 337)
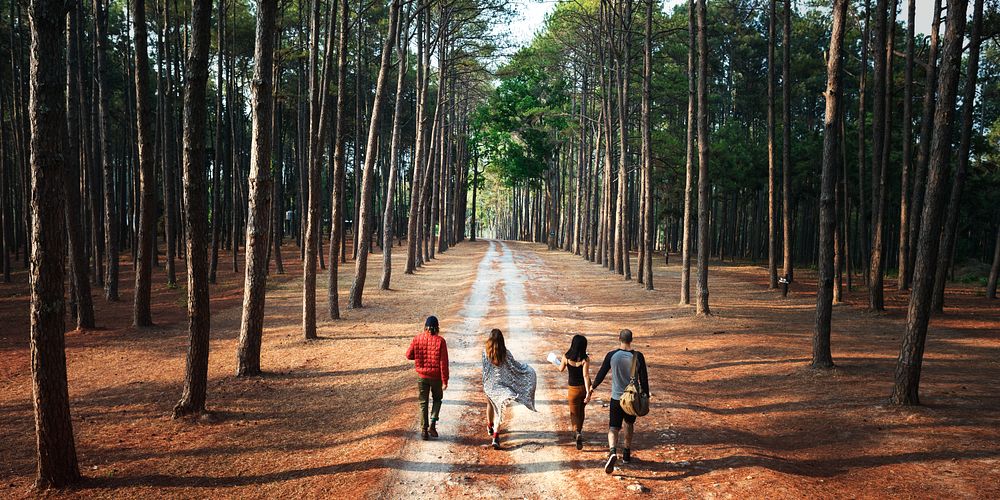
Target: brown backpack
(633, 401)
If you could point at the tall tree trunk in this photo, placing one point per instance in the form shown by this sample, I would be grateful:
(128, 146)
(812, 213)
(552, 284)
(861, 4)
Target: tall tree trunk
(907, 375)
(904, 190)
(786, 143)
(772, 195)
(80, 278)
(337, 203)
(57, 465)
(883, 133)
(926, 135)
(167, 135)
(689, 163)
(371, 153)
(394, 153)
(196, 224)
(821, 357)
(950, 227)
(107, 169)
(863, 220)
(704, 235)
(647, 154)
(319, 106)
(218, 156)
(420, 124)
(141, 315)
(259, 195)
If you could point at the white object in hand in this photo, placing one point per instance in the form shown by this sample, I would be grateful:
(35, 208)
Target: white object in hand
(554, 359)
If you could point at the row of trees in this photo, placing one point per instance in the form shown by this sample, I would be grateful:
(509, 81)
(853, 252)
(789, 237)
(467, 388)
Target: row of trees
(763, 198)
(576, 159)
(135, 129)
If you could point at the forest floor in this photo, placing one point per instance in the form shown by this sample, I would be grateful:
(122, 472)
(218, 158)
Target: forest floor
(736, 411)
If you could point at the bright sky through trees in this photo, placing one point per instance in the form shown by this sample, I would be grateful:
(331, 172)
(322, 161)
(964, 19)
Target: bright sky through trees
(531, 15)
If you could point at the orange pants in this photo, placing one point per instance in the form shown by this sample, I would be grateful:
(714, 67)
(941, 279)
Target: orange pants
(577, 393)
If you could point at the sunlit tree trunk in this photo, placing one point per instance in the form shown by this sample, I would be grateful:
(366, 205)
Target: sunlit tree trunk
(786, 147)
(689, 163)
(704, 234)
(196, 224)
(258, 195)
(647, 153)
(772, 194)
(371, 153)
(821, 357)
(337, 204)
(394, 153)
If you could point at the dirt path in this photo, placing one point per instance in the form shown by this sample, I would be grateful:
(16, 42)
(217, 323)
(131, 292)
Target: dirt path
(530, 464)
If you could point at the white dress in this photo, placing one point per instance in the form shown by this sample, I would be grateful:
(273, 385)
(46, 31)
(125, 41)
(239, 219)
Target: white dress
(511, 381)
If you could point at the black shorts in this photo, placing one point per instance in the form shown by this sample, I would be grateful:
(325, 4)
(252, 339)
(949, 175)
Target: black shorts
(618, 415)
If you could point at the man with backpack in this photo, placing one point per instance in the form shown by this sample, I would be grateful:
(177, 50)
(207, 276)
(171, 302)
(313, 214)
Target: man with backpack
(629, 385)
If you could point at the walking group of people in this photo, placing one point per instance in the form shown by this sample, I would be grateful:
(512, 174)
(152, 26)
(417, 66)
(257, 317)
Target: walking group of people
(506, 380)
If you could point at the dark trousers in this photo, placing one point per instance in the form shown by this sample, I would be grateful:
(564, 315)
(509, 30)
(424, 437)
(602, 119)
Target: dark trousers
(429, 388)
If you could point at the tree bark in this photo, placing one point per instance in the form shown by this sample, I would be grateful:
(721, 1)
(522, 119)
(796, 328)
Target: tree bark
(196, 224)
(772, 194)
(80, 278)
(786, 148)
(337, 203)
(218, 156)
(690, 159)
(168, 139)
(365, 229)
(907, 375)
(647, 153)
(259, 195)
(56, 449)
(926, 135)
(141, 315)
(394, 153)
(904, 194)
(107, 169)
(883, 136)
(950, 228)
(704, 235)
(822, 357)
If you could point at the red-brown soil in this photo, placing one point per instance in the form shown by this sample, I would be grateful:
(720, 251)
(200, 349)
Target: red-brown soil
(736, 410)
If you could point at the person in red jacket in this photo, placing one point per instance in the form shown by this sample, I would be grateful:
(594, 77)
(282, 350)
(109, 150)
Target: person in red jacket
(429, 353)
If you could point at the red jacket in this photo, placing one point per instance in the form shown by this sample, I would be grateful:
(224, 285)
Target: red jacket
(430, 356)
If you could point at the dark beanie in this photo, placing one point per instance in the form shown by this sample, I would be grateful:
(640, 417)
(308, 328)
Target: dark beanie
(432, 322)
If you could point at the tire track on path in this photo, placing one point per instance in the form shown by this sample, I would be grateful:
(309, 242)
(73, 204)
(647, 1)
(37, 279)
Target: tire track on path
(426, 469)
(531, 463)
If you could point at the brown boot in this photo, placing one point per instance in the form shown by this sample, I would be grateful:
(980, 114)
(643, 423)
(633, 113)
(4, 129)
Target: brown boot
(433, 430)
(424, 435)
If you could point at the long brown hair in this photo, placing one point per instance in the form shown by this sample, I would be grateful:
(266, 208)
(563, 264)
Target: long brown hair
(496, 351)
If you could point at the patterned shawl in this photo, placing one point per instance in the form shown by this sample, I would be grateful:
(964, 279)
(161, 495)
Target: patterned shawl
(511, 381)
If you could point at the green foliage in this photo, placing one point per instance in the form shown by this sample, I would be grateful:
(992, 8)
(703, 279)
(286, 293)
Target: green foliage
(518, 130)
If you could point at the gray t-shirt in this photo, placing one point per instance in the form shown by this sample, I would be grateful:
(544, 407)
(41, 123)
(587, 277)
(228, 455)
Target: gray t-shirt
(619, 364)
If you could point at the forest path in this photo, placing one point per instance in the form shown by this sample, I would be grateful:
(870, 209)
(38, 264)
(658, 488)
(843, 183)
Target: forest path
(530, 463)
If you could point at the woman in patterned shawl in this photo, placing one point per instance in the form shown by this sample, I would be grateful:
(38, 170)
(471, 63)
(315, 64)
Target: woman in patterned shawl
(504, 380)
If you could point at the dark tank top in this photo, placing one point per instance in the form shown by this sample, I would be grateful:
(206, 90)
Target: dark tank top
(575, 375)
